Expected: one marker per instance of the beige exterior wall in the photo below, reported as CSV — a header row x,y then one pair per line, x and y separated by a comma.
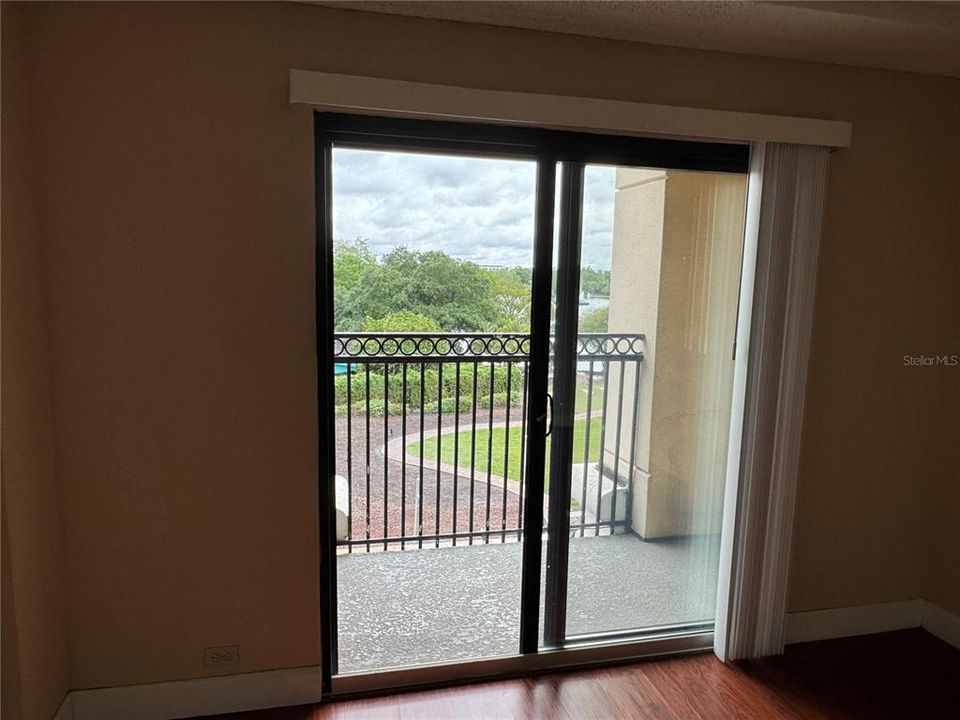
x,y
35,673
175,190
677,242
635,260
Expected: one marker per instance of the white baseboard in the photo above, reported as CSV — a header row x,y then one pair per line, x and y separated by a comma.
x,y
65,711
869,619
301,686
849,621
203,696
943,624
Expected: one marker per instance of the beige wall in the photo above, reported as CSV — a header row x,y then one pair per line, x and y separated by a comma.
x,y
177,207
11,706
35,669
941,582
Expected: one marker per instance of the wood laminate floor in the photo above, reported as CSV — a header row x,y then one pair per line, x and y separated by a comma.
x,y
907,674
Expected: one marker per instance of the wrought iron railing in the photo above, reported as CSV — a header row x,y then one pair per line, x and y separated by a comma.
x,y
431,436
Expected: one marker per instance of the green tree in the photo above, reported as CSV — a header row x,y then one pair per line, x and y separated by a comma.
x,y
350,260
454,293
403,321
594,281
511,291
595,320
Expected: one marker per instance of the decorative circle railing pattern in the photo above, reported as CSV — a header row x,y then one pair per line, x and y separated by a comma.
x,y
473,346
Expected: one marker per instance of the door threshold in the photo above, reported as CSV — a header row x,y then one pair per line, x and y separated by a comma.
x,y
581,655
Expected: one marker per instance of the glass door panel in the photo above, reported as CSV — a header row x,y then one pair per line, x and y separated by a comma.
x,y
432,265
642,386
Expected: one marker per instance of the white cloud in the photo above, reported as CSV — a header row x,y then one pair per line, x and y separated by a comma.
x,y
476,209
598,190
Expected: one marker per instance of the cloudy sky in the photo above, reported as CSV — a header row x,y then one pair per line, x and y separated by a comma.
x,y
473,209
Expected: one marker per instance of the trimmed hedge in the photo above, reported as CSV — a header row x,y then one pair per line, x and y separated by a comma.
x,y
433,388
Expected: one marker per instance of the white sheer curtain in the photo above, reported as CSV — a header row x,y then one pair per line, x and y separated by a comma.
x,y
758,534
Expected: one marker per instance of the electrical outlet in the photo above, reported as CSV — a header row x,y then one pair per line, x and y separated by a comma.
x,y
223,655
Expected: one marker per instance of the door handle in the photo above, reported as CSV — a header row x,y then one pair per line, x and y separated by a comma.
x,y
550,426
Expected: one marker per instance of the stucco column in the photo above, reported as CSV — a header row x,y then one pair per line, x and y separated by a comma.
x,y
675,277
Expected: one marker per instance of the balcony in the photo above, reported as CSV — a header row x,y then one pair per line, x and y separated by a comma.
x,y
430,433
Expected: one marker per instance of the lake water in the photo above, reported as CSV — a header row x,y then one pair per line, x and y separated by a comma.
x,y
588,304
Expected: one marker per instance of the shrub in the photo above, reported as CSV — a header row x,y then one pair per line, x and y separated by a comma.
x,y
438,388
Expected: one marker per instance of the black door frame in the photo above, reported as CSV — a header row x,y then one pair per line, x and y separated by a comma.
x,y
564,388
547,148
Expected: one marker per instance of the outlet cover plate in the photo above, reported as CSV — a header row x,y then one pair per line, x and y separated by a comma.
x,y
221,655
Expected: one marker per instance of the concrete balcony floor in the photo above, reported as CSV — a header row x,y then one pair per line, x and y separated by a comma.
x,y
444,604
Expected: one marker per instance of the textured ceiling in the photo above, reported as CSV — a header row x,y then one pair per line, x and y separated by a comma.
x,y
914,36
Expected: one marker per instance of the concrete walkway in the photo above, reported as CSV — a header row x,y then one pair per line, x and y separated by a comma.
x,y
394,451
456,603
395,447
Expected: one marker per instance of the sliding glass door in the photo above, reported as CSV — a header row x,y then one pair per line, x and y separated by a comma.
x,y
524,363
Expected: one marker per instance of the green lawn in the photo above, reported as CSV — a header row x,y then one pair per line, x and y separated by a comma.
x,y
595,405
512,464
